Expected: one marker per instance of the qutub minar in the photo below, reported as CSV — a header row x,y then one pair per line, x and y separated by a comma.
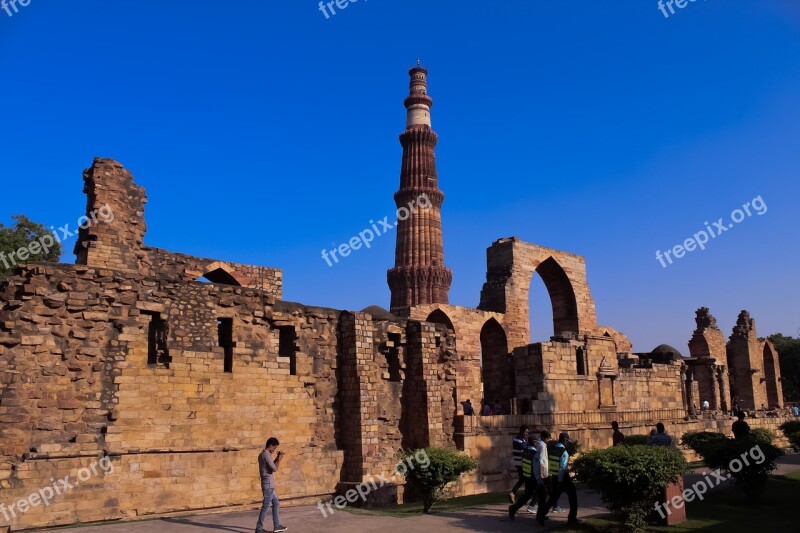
x,y
126,356
419,275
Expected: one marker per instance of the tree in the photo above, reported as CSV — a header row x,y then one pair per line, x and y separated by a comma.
x,y
789,357
630,479
445,467
36,241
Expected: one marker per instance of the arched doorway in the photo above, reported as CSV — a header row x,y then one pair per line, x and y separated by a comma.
x,y
497,371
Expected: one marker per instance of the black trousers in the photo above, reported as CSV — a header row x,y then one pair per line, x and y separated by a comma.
x,y
520,480
564,486
532,490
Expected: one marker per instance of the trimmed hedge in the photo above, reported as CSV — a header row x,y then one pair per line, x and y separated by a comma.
x,y
630,479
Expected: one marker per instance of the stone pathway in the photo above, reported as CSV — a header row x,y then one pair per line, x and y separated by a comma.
x,y
492,518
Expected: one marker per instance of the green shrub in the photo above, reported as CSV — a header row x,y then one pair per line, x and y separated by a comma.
x,y
445,467
791,430
630,479
635,440
763,435
701,440
792,426
755,455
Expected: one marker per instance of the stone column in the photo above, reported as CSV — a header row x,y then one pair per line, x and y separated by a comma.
x,y
358,398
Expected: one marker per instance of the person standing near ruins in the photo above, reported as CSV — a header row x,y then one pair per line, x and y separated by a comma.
x,y
518,446
740,428
468,409
266,468
618,436
660,437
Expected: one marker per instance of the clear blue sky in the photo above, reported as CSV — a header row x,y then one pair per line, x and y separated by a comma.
x,y
264,132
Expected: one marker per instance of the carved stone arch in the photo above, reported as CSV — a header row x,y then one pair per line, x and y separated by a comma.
x,y
512,264
437,316
219,272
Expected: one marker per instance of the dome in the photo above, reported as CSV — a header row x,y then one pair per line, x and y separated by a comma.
x,y
378,312
665,350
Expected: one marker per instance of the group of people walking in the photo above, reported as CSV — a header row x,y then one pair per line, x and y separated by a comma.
x,y
543,472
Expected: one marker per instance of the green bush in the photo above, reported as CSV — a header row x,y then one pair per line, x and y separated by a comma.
x,y
791,430
445,467
792,426
701,440
763,435
635,440
755,455
630,479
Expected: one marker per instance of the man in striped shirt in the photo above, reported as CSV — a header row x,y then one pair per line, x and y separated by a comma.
x,y
518,446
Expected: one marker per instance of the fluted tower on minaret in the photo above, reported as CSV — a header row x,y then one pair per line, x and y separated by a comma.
x,y
419,275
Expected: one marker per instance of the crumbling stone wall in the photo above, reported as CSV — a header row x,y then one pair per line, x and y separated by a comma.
x,y
76,384
112,243
468,325
161,264
707,346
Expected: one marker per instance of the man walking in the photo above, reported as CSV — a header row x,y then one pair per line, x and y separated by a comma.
x,y
529,465
518,446
562,482
266,468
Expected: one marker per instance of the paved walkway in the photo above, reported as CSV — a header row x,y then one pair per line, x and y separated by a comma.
x,y
491,518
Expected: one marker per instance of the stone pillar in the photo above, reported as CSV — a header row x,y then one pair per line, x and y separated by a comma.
x,y
715,392
422,403
722,379
359,402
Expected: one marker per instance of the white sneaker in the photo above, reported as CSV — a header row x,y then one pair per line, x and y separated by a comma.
x,y
531,509
558,509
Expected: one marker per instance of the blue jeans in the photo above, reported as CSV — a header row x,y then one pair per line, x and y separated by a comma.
x,y
270,498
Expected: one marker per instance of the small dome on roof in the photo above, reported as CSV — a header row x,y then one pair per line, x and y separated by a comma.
x,y
664,350
378,312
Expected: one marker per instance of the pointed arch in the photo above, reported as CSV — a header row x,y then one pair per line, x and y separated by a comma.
x,y
562,297
219,272
440,317
497,372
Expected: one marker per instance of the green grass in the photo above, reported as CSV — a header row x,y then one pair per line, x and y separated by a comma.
x,y
415,509
724,510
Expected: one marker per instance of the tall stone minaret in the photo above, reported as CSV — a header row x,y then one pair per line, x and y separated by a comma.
x,y
419,275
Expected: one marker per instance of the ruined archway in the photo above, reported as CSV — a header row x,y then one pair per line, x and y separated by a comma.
x,y
497,371
562,297
512,264
771,381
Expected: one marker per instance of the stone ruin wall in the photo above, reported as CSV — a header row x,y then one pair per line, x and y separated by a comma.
x,y
183,434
